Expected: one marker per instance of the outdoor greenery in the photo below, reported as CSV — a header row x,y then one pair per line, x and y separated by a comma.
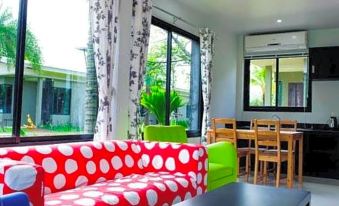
x,y
8,40
156,61
258,75
68,127
153,97
155,100
182,122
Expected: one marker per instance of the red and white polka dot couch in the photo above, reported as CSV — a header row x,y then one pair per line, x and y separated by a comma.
x,y
105,173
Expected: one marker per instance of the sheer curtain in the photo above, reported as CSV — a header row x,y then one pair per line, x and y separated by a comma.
x,y
207,51
104,20
141,25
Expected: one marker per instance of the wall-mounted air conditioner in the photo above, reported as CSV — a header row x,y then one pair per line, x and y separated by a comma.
x,y
275,44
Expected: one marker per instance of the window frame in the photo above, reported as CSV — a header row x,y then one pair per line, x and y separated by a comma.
x,y
170,29
276,108
16,139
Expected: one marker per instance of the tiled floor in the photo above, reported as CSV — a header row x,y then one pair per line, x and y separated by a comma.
x,y
324,192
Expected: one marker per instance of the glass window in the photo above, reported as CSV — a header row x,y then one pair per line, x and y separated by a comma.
x,y
262,82
182,75
5,99
9,10
277,84
155,78
59,95
61,101
171,94
293,81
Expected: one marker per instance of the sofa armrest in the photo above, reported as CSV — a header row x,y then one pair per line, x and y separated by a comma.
x,y
175,157
17,176
223,153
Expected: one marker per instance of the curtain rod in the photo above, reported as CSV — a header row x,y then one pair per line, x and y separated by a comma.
x,y
175,17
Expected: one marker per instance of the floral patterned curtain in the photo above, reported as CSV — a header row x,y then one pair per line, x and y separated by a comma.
x,y
104,23
141,25
207,51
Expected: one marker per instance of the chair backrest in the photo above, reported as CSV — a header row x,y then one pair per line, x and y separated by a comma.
x,y
161,133
267,137
261,127
288,125
225,129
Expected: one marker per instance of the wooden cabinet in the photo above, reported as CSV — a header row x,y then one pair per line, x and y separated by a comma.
x,y
324,63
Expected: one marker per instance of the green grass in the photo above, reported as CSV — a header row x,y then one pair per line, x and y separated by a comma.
x,y
61,128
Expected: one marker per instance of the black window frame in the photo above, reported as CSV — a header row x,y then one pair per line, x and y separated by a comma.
x,y
276,108
170,29
15,139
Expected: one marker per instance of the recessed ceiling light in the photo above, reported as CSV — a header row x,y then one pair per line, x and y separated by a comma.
x,y
279,20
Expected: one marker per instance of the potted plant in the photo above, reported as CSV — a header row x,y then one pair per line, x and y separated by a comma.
x,y
155,102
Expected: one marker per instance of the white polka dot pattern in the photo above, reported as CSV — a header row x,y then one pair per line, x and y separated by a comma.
x,y
171,172
20,177
184,156
71,166
59,181
157,162
86,152
152,197
91,167
28,159
104,166
110,199
129,161
132,197
65,149
170,164
49,165
116,163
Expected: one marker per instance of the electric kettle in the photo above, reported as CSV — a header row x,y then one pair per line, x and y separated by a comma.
x,y
332,122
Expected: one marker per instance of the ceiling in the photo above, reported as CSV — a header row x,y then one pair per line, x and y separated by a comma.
x,y
255,16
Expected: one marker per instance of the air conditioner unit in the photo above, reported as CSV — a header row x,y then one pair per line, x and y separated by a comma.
x,y
275,44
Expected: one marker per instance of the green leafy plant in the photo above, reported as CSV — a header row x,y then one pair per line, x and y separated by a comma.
x,y
182,122
8,38
155,102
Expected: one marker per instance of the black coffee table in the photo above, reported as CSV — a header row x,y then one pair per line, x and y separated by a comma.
x,y
241,194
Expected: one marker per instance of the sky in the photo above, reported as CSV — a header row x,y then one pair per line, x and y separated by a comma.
x,y
61,27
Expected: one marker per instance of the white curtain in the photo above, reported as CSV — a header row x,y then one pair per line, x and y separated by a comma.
x,y
141,26
207,51
105,30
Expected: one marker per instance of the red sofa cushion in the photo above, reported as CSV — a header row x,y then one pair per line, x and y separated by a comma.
x,y
175,157
162,188
21,176
68,166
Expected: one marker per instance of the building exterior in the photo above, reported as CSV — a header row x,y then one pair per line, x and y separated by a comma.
x,y
51,96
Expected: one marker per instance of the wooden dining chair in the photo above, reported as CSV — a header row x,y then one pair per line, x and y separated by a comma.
x,y
225,129
289,125
268,138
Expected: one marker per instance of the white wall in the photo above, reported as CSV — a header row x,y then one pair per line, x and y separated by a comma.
x,y
224,73
325,96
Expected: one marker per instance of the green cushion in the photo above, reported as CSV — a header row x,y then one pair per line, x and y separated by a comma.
x,y
222,163
160,133
218,171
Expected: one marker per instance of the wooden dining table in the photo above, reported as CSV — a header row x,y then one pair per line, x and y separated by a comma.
x,y
285,136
